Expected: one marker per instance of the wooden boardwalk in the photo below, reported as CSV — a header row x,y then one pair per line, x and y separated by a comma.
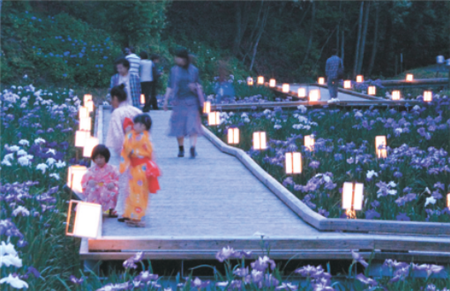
x,y
213,201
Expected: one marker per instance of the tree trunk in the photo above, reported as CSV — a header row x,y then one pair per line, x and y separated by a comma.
x,y
261,30
358,41
338,29
364,37
375,39
311,32
241,17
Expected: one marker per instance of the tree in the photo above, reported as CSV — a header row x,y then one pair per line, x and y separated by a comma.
x,y
358,42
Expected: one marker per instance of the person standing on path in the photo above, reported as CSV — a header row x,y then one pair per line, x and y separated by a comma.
x,y
134,60
156,72
131,82
116,137
334,70
184,86
146,76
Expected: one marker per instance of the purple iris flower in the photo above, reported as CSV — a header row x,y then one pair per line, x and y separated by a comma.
x,y
403,217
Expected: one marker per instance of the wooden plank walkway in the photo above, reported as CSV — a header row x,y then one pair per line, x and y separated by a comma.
x,y
213,201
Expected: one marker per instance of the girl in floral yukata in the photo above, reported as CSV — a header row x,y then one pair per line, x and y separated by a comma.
x,y
100,184
137,155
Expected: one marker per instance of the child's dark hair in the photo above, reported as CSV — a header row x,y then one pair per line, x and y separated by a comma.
x,y
101,150
144,119
124,63
119,92
143,55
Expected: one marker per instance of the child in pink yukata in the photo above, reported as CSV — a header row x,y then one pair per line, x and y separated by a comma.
x,y
101,182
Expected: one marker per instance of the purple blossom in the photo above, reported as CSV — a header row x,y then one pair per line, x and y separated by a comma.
x,y
367,281
372,213
403,217
76,281
262,263
131,262
314,164
358,258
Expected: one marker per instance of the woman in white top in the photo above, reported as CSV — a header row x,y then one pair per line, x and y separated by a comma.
x,y
146,76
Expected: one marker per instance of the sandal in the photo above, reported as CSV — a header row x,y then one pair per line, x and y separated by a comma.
x,y
135,223
123,219
112,213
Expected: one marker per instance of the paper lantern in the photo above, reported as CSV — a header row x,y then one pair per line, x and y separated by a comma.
x,y
380,146
321,81
372,90
83,112
314,95
259,140
86,98
91,142
440,59
85,124
272,83
301,92
74,177
233,136
427,96
293,163
359,79
142,99
448,200
87,221
81,137
206,107
285,88
214,118
260,80
396,95
347,84
309,142
90,105
352,196
250,81
409,77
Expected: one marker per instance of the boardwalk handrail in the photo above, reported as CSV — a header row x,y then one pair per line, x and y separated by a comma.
x,y
416,82
317,220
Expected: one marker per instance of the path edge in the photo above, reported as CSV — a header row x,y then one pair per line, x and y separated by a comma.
x,y
318,221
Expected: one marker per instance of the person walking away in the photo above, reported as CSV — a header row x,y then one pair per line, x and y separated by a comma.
x,y
115,138
137,156
131,82
334,70
146,76
156,73
187,93
134,60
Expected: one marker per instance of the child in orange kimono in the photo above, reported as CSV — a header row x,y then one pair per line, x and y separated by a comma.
x,y
137,154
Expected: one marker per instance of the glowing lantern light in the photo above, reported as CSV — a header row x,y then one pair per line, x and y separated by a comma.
x,y
372,90
309,142
285,88
259,140
448,200
86,98
347,84
142,99
352,197
314,95
83,112
81,137
90,105
74,177
233,135
85,124
427,96
260,80
88,219
214,118
250,81
272,83
91,142
321,81
396,95
359,79
380,146
301,92
293,163
409,77
206,107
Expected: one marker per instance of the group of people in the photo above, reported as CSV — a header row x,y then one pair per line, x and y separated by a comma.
x,y
124,173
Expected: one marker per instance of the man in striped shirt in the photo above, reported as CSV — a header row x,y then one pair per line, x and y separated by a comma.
x,y
134,60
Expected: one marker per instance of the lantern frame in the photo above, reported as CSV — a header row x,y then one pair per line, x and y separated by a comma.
x,y
250,81
91,142
352,196
409,77
73,179
359,79
259,140
81,137
347,84
90,106
85,124
142,99
272,83
260,80
309,142
86,98
321,81
85,226
448,200
293,163
396,95
380,140
427,96
285,88
372,90
214,118
301,92
233,135
83,112
206,107
314,95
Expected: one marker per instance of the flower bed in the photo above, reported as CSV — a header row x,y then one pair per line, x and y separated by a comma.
x,y
410,184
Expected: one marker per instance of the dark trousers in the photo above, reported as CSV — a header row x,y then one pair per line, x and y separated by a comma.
x,y
149,91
